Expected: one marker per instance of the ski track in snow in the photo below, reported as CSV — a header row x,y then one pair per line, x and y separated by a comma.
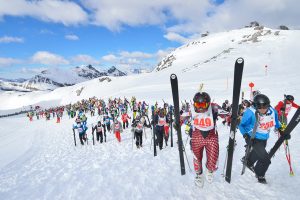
x,y
49,166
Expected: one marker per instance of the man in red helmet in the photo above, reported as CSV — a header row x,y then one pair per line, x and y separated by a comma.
x,y
205,135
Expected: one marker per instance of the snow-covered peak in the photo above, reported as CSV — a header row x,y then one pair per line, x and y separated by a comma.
x,y
113,71
212,47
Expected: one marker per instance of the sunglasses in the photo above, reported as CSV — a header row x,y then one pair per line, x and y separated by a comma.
x,y
262,106
201,104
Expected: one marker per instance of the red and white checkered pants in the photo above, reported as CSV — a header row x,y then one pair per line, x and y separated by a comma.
x,y
211,145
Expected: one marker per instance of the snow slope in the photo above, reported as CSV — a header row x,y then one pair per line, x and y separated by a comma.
x,y
38,159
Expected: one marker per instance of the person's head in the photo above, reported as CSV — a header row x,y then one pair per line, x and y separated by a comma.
x,y
255,92
137,117
226,101
201,102
261,103
116,121
99,123
246,103
289,99
161,112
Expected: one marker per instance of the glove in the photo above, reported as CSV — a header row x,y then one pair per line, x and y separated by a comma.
x,y
246,136
285,136
283,126
282,108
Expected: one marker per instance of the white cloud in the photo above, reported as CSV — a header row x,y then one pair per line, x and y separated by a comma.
x,y
176,37
135,54
71,37
46,31
65,12
113,14
47,58
237,14
110,58
6,62
9,39
32,70
85,59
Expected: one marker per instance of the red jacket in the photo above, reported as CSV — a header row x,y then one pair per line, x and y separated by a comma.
x,y
288,106
125,117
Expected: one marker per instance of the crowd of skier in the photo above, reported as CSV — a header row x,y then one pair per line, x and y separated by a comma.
x,y
198,117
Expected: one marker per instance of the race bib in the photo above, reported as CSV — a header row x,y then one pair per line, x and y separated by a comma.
x,y
161,121
99,129
265,124
204,121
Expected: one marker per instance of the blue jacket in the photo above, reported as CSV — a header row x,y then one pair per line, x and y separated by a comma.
x,y
81,128
247,123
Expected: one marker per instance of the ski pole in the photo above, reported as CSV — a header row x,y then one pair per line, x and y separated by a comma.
x,y
74,136
288,157
145,133
132,138
187,138
93,134
187,160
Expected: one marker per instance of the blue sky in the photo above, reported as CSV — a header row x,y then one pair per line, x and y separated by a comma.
x,y
37,35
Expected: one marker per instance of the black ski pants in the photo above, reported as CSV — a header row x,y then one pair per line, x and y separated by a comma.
x,y
125,123
139,138
259,155
160,132
99,136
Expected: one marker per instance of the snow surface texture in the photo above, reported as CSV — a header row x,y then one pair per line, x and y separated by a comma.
x,y
38,160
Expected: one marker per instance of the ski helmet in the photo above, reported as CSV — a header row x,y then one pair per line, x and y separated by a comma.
x,y
261,101
201,101
255,92
289,98
246,103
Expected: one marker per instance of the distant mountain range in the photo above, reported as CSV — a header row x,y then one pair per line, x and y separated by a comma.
x,y
53,78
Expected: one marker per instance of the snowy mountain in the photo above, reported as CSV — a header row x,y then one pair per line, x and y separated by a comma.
x,y
38,160
54,78
13,85
219,46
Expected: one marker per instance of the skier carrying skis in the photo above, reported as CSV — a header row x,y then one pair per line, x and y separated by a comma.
x,y
125,118
106,121
205,135
160,121
267,119
117,129
227,107
137,128
100,129
285,107
82,128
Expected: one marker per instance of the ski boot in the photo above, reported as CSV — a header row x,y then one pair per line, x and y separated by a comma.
x,y
262,179
209,176
199,180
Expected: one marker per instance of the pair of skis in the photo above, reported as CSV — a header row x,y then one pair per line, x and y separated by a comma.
x,y
238,72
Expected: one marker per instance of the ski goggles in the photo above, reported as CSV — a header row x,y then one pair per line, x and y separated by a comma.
x,y
201,104
262,106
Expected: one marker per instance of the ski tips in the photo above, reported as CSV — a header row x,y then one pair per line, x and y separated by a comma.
x,y
240,60
173,76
